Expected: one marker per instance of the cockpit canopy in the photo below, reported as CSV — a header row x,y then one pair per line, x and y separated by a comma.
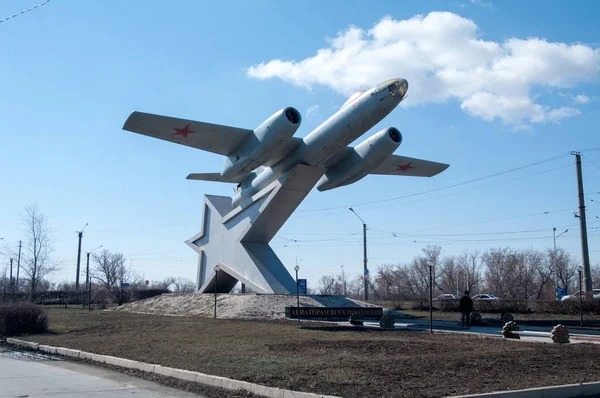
x,y
398,88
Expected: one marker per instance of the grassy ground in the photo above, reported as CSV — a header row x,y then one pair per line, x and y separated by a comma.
x,y
325,359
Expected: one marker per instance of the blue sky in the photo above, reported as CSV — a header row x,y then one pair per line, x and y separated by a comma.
x,y
73,71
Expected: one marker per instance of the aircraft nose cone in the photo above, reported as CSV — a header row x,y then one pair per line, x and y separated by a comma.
x,y
401,89
397,88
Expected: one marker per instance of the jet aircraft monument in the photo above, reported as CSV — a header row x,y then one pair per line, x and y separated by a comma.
x,y
273,172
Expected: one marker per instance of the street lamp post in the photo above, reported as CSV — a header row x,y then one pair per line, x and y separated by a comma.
x,y
88,281
296,268
580,269
554,256
430,264
366,270
217,269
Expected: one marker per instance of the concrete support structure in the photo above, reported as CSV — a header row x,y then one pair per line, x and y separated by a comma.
x,y
237,239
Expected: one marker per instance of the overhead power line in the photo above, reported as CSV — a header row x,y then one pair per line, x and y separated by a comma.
x,y
410,236
435,189
289,240
24,11
443,195
589,160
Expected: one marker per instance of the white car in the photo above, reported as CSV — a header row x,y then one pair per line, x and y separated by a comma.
x,y
486,297
446,296
575,296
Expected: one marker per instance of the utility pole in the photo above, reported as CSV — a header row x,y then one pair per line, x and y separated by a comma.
x,y
18,265
80,234
12,286
585,255
366,270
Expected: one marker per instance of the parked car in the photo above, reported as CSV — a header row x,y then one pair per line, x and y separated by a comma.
x,y
446,296
485,296
575,296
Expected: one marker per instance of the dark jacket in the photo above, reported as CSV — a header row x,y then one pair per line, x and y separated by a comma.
x,y
465,304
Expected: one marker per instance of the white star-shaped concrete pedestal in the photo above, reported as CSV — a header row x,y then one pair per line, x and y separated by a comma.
x,y
237,239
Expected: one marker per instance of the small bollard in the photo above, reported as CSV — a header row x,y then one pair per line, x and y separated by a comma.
x,y
508,331
387,322
560,334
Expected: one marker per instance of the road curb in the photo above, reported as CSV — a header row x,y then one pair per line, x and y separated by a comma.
x,y
181,374
566,391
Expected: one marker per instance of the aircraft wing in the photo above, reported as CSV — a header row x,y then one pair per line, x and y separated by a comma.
x,y
405,166
206,136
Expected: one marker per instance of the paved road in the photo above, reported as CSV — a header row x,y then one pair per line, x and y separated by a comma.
x,y
527,333
29,376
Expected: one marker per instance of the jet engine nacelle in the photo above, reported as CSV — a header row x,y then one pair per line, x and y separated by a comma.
x,y
361,160
272,135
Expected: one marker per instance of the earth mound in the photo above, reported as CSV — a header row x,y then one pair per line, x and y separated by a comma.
x,y
239,306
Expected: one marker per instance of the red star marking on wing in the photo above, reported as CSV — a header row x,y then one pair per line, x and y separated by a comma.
x,y
405,167
183,131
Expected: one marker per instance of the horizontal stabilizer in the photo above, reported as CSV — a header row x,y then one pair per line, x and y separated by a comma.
x,y
216,177
405,166
205,136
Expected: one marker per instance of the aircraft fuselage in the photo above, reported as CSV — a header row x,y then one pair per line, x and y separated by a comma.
x,y
320,147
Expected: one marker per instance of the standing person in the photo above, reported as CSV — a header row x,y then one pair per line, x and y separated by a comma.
x,y
466,306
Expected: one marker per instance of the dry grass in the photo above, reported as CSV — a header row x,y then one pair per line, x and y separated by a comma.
x,y
330,360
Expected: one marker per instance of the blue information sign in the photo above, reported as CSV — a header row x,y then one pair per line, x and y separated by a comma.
x,y
124,284
302,286
560,293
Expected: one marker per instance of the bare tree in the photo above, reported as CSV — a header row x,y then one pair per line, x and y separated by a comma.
x,y
110,269
385,285
183,285
327,284
470,266
596,276
546,277
413,278
566,269
4,282
355,287
449,275
35,259
177,284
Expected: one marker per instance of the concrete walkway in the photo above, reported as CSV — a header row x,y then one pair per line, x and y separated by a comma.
x,y
26,375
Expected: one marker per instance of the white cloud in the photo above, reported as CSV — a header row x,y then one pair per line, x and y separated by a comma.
x,y
581,99
481,3
443,57
555,115
312,111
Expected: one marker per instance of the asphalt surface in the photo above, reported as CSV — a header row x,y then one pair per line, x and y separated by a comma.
x,y
528,333
36,375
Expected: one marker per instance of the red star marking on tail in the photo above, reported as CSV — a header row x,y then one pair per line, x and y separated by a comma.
x,y
184,131
405,167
